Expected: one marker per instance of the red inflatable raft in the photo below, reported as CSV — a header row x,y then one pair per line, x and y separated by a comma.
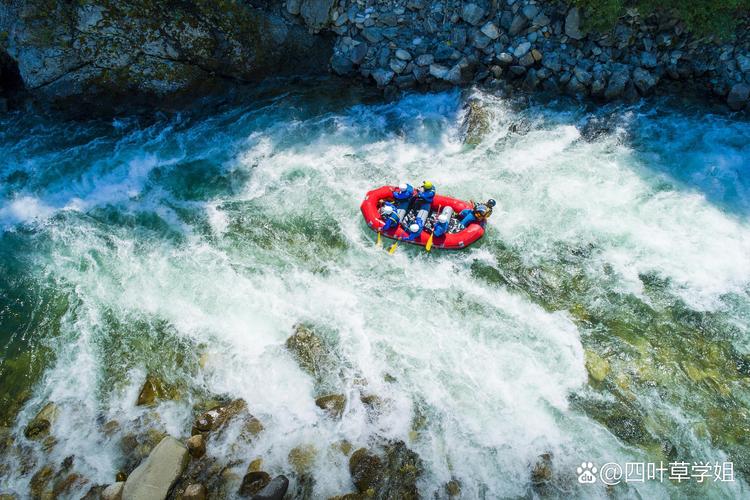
x,y
450,240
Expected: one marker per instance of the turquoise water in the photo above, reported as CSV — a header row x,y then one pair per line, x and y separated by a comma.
x,y
188,246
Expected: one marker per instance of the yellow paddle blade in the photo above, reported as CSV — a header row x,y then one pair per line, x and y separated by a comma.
x,y
393,248
378,243
428,246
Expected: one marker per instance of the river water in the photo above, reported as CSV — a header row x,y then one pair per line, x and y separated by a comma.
x,y
188,246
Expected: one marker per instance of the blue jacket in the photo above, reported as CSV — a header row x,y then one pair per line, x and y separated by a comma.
x,y
440,228
391,221
407,194
415,235
427,195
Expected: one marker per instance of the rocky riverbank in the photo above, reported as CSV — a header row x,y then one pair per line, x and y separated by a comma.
x,y
132,48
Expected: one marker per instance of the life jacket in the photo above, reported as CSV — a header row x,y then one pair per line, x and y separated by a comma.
x,y
426,195
403,195
392,219
481,211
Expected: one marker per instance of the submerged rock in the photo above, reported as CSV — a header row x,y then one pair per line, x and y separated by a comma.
x,y
302,458
113,491
597,366
218,416
41,424
393,476
152,390
195,492
309,351
253,482
156,475
476,122
333,404
275,490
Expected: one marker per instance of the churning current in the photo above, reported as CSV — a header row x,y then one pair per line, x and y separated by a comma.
x,y
604,317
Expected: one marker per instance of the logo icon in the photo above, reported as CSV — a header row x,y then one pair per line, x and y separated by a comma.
x,y
586,473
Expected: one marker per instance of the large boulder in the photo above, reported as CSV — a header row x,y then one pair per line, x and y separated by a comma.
x,y
316,13
155,476
146,51
305,345
476,122
617,81
738,96
393,473
42,422
644,81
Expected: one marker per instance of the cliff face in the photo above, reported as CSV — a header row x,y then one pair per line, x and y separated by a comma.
x,y
65,49
72,49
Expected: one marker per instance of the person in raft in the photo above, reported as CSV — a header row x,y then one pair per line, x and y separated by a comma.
x,y
425,195
441,226
389,214
479,213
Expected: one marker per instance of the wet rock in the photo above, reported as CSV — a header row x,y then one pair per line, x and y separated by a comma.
x,y
617,81
395,476
332,404
644,81
342,64
517,25
738,96
39,484
358,53
293,6
597,366
253,482
472,13
255,465
195,492
302,458
365,469
196,446
382,76
743,63
424,59
403,55
476,122
316,13
64,486
306,347
490,30
504,58
113,491
453,488
397,65
573,24
372,34
152,390
218,416
522,49
41,424
156,475
275,490
542,471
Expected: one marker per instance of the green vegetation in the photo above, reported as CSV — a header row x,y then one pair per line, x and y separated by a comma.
x,y
702,17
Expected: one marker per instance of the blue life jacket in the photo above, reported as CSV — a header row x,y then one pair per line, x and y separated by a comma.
x,y
467,216
413,236
440,228
426,195
391,220
406,194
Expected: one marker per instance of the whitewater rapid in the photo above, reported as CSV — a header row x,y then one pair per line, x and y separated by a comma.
x,y
192,244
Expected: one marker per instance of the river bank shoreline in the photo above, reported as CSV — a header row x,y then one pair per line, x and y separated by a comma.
x,y
134,55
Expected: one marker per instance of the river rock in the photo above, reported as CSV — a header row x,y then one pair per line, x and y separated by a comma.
x,y
275,490
517,25
195,491
382,76
743,63
490,30
155,476
573,24
306,347
333,404
293,6
397,65
316,13
41,424
472,13
738,96
476,122
597,366
522,49
152,390
372,34
196,445
644,81
253,482
113,491
403,55
394,476
365,469
218,416
504,58
617,81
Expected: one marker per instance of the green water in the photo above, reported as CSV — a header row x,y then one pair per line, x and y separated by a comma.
x,y
188,246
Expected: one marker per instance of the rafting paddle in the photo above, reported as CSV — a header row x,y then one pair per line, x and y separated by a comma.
x,y
428,246
378,243
393,248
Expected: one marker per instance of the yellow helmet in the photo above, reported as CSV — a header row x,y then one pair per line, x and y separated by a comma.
x,y
427,185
